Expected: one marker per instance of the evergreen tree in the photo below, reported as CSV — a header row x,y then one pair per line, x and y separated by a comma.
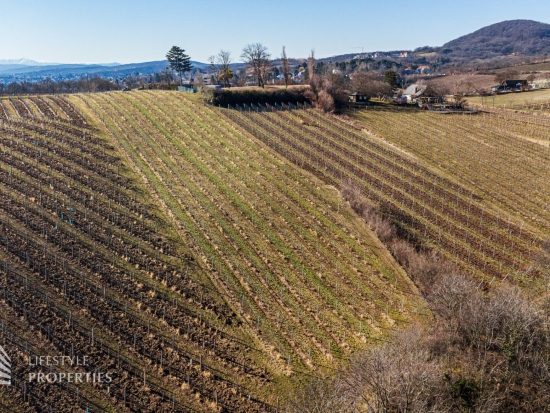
x,y
179,61
391,78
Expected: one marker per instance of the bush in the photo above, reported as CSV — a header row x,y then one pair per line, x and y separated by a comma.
x,y
325,102
226,97
487,349
422,267
320,395
399,376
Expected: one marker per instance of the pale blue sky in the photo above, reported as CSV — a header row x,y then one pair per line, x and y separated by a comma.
x,y
128,31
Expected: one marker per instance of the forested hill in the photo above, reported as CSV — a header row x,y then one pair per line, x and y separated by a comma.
x,y
522,37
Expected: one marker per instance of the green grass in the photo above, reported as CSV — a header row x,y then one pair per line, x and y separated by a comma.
x,y
516,100
282,248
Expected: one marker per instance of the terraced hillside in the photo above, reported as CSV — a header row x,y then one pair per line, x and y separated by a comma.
x,y
175,249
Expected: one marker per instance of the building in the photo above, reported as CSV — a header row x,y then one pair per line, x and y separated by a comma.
x,y
359,98
414,91
190,88
206,79
513,85
300,77
423,70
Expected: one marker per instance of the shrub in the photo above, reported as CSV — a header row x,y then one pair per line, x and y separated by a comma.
x,y
226,97
325,102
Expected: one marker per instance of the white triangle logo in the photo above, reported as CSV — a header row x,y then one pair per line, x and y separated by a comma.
x,y
5,368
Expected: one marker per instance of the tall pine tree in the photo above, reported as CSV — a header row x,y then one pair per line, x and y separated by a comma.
x,y
179,61
391,78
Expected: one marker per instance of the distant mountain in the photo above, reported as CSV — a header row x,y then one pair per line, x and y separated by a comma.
x,y
28,62
18,72
498,44
24,62
520,37
45,69
8,67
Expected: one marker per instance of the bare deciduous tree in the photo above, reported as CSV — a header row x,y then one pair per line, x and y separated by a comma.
x,y
321,395
437,90
285,67
325,101
448,298
311,64
506,75
256,57
319,93
198,79
214,68
224,61
166,75
220,67
370,84
399,376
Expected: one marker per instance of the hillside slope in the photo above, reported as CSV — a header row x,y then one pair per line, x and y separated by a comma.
x,y
431,208
523,37
160,237
304,274
494,167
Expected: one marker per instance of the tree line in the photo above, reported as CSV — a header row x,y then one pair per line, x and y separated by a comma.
x,y
50,86
261,68
327,89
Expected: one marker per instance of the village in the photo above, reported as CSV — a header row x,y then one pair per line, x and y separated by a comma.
x,y
354,86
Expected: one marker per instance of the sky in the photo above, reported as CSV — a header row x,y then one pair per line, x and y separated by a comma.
x,y
130,31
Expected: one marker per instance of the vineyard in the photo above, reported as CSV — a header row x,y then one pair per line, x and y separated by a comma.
x,y
205,256
162,239
484,210
500,159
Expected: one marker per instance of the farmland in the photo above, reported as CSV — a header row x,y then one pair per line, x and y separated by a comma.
x,y
527,68
536,100
205,256
163,238
496,164
87,270
487,236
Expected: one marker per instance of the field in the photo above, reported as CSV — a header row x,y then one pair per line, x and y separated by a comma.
x,y
495,164
432,207
532,67
464,83
172,244
205,256
536,100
